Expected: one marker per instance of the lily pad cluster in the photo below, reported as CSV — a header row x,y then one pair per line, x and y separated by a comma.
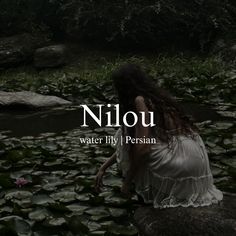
x,y
216,89
58,196
220,140
47,181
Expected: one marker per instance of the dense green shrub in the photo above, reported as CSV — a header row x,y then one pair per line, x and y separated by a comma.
x,y
149,21
32,16
140,22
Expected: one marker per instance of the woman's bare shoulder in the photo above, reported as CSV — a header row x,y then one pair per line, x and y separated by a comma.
x,y
140,103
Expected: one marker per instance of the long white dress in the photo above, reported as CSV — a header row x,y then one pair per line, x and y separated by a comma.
x,y
176,176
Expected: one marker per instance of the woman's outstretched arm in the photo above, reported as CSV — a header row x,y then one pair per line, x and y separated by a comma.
x,y
102,170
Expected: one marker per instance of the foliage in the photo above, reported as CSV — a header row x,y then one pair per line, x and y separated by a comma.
x,y
154,22
17,16
149,23
189,78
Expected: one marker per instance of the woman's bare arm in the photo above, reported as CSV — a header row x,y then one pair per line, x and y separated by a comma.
x,y
101,172
109,162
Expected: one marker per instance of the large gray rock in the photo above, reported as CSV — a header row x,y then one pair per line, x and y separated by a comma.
x,y
30,99
51,56
214,220
17,49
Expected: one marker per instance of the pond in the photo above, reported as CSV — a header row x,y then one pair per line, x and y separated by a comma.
x,y
56,196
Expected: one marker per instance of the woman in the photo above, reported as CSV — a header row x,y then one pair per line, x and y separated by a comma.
x,y
175,170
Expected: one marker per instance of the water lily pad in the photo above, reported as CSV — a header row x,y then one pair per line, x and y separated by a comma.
x,y
223,125
78,208
57,221
214,139
116,200
51,182
18,174
39,214
217,157
64,196
18,194
53,163
216,171
15,155
51,147
20,198
88,170
98,233
83,197
5,165
6,209
86,181
100,159
230,114
98,213
71,174
2,201
106,224
42,200
92,226
48,134
231,162
217,150
113,181
117,212
228,141
116,229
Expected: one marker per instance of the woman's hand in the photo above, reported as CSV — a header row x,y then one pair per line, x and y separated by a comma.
x,y
125,189
102,170
98,180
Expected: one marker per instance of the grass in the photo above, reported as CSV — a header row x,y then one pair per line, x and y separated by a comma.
x,y
195,79
97,67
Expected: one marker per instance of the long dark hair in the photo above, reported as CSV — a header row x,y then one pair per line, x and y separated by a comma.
x,y
131,81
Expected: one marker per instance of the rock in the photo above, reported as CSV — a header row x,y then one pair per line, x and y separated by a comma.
x,y
18,49
214,220
226,48
30,100
51,56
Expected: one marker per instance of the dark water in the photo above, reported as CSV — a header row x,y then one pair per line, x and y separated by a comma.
x,y
33,123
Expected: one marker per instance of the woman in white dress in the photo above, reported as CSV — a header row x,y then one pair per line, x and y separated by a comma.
x,y
174,171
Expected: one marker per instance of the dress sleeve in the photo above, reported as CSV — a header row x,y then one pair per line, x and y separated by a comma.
x,y
122,155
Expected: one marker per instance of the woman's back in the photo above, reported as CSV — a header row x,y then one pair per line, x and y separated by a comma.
x,y
175,171
174,174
